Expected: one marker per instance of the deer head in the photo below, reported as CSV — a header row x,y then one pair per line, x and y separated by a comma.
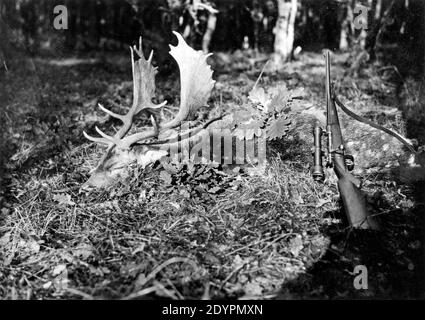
x,y
151,143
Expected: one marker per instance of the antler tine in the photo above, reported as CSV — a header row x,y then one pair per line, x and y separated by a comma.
x,y
139,50
154,124
112,114
107,137
128,141
97,140
193,136
136,50
159,106
132,59
150,56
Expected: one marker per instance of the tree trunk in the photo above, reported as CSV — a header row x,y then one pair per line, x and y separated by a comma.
x,y
211,24
4,37
368,36
422,93
364,33
284,31
376,11
346,28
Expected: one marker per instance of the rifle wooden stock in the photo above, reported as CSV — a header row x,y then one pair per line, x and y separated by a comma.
x,y
352,198
355,206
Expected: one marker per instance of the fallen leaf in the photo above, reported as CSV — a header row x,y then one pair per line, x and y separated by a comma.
x,y
83,251
150,157
64,199
58,269
296,245
253,288
184,193
166,177
214,190
47,285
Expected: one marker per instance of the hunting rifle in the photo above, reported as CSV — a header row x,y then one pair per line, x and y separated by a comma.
x,y
342,163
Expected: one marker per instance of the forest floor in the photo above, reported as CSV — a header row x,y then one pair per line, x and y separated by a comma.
x,y
180,232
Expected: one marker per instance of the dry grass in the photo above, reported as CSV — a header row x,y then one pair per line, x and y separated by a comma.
x,y
244,242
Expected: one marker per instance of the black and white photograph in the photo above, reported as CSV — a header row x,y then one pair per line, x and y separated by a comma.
x,y
239,151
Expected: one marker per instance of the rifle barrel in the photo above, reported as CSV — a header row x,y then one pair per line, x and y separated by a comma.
x,y
333,127
328,78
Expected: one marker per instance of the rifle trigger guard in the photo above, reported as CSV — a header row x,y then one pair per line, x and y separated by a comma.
x,y
349,162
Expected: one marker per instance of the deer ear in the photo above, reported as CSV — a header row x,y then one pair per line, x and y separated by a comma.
x,y
196,81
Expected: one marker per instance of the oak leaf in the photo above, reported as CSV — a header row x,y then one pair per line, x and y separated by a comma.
x,y
259,96
278,128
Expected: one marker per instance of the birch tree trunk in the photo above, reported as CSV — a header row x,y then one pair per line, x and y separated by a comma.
x,y
284,31
365,31
371,39
4,39
346,27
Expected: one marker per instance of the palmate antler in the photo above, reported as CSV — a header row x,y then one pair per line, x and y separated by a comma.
x,y
196,86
